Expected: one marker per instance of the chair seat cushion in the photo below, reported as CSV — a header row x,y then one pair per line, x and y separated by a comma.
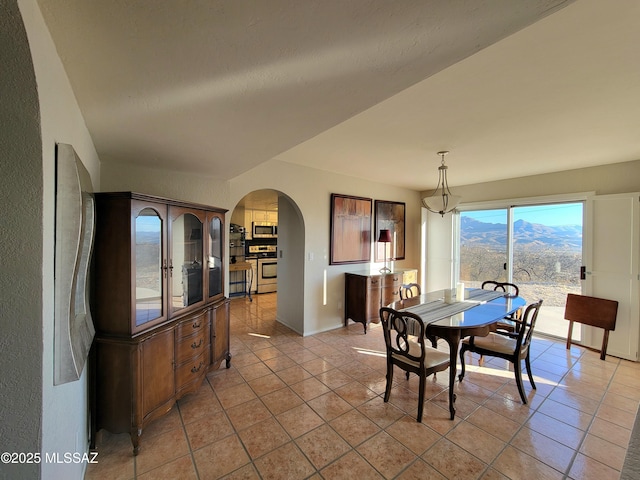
x,y
494,343
432,356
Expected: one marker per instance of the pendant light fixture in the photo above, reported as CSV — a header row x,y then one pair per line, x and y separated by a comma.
x,y
441,200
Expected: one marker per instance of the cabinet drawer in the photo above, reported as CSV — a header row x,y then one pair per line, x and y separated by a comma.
x,y
191,371
191,346
391,280
193,324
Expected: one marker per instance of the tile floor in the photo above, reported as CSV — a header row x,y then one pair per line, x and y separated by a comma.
x,y
294,407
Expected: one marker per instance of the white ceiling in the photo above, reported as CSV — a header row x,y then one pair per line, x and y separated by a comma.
x,y
368,88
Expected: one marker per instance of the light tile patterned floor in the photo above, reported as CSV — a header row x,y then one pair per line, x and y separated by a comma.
x,y
311,407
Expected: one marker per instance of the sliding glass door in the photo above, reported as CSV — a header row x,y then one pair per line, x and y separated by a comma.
x,y
537,247
483,246
547,256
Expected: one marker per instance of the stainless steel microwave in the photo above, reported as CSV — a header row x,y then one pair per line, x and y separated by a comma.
x,y
264,230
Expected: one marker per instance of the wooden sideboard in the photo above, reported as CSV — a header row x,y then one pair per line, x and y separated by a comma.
x,y
366,291
161,318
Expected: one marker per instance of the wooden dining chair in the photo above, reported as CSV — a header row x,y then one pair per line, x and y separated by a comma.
x,y
511,289
513,347
405,343
409,290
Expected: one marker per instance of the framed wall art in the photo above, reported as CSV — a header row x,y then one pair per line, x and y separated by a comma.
x,y
74,232
350,229
390,216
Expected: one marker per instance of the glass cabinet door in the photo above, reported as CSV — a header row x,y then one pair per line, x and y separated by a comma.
x,y
186,261
149,275
214,262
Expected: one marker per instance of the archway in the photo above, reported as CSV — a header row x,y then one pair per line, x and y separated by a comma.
x,y
21,247
268,206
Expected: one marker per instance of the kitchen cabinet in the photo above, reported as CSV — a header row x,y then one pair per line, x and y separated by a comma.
x,y
367,291
159,309
265,216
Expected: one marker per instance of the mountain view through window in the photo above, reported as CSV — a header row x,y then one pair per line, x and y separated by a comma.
x,y
546,245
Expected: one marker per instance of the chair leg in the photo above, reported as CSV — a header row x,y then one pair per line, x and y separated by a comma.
x,y
387,391
462,365
407,373
423,382
528,364
518,372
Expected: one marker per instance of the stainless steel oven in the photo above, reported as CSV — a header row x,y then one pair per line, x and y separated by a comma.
x,y
265,266
267,275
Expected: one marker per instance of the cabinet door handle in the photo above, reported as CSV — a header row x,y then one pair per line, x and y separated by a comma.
x,y
195,345
196,369
196,325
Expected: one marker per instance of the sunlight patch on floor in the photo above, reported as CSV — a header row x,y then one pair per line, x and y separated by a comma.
x,y
259,335
508,374
365,351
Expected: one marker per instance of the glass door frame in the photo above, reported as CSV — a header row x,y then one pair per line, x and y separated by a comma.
x,y
509,205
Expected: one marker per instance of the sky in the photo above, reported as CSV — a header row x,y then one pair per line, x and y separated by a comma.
x,y
551,215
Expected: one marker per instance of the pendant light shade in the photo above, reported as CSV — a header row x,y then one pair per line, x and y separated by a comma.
x,y
441,200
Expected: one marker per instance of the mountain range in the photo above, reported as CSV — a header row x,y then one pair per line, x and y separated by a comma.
x,y
475,233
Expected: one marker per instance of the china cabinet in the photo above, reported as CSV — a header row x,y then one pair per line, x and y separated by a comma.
x,y
161,318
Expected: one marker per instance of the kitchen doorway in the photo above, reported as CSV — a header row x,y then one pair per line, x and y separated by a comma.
x,y
277,261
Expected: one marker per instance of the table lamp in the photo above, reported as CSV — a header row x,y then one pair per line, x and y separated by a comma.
x,y
385,237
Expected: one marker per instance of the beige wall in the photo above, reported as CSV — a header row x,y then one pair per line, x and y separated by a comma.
x,y
602,180
125,177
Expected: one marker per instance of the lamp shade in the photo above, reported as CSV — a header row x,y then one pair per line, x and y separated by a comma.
x,y
385,236
441,203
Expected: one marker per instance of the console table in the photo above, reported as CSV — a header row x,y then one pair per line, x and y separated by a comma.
x,y
368,290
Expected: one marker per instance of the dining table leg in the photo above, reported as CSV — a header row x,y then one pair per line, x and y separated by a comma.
x,y
452,337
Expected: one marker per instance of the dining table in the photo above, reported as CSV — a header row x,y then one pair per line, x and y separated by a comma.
x,y
477,314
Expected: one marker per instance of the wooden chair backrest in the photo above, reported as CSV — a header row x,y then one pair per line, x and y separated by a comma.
x,y
397,328
409,290
510,288
528,324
